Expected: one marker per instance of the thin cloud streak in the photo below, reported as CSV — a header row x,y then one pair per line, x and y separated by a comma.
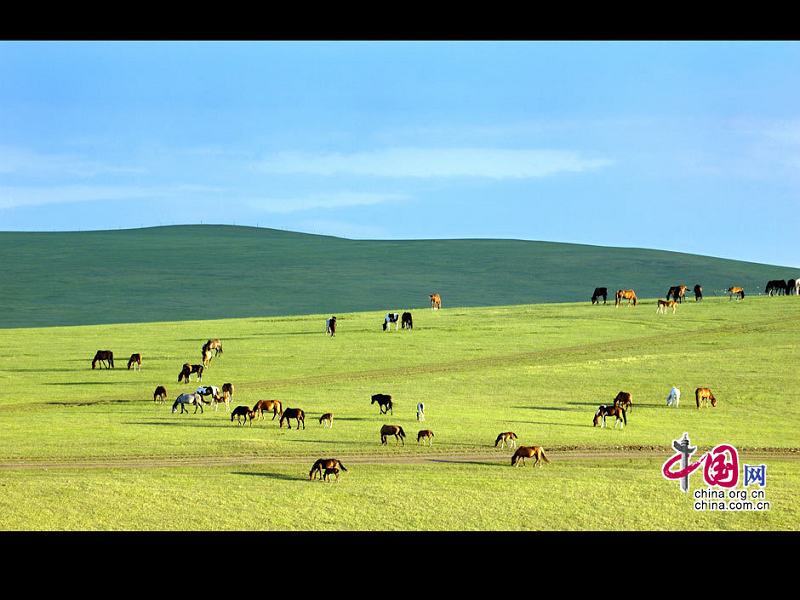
x,y
491,163
26,162
20,196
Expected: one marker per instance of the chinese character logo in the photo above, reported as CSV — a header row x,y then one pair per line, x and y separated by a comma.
x,y
757,474
720,464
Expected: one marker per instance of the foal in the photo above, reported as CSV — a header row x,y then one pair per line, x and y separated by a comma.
x,y
425,434
326,420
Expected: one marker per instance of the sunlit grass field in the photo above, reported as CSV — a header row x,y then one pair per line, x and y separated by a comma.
x,y
538,370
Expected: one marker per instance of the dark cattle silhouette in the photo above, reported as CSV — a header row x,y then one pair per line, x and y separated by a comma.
x,y
698,292
406,321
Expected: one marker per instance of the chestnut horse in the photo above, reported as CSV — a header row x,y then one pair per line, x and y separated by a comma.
x,y
160,394
524,452
274,406
394,430
663,305
135,361
103,356
324,463
703,395
425,434
188,370
625,400
736,291
508,436
610,411
628,295
293,413
436,301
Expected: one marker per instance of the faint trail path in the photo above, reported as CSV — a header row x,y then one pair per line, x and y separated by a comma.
x,y
488,458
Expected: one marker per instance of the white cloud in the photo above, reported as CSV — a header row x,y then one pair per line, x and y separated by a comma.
x,y
495,163
18,196
21,161
321,201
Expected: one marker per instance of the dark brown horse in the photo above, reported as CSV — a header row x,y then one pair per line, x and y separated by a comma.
x,y
135,359
436,301
628,295
625,400
598,292
293,413
103,356
265,406
243,412
214,345
524,452
698,292
610,411
160,395
331,471
384,402
736,291
425,434
188,370
324,463
326,418
677,292
394,430
508,436
703,395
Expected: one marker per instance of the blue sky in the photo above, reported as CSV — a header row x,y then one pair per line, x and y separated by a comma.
x,y
685,146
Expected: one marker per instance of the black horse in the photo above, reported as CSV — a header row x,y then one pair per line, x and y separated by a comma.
x,y
776,287
599,292
698,292
103,356
406,322
384,402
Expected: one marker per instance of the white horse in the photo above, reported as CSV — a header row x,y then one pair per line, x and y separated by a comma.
x,y
420,412
796,291
216,396
391,318
674,397
185,399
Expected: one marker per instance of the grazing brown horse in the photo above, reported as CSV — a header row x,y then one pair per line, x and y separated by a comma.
x,y
324,463
698,292
331,471
524,452
135,359
326,418
394,430
188,370
243,412
736,291
508,436
625,400
384,402
663,305
103,356
436,301
628,295
160,395
207,356
677,292
214,345
293,413
610,411
425,434
703,395
265,406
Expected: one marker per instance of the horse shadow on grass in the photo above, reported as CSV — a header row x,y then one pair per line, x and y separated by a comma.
x,y
174,424
481,463
280,476
558,408
610,402
83,382
550,423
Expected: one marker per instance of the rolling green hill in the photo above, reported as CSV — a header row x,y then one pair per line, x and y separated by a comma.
x,y
206,272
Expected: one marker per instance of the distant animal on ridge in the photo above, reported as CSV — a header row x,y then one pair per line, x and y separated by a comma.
x,y
103,356
135,361
598,292
628,295
736,291
508,436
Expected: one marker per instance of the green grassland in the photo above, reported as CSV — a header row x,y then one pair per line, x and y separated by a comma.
x,y
539,370
210,272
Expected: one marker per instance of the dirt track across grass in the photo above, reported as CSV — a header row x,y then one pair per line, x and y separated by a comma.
x,y
489,458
